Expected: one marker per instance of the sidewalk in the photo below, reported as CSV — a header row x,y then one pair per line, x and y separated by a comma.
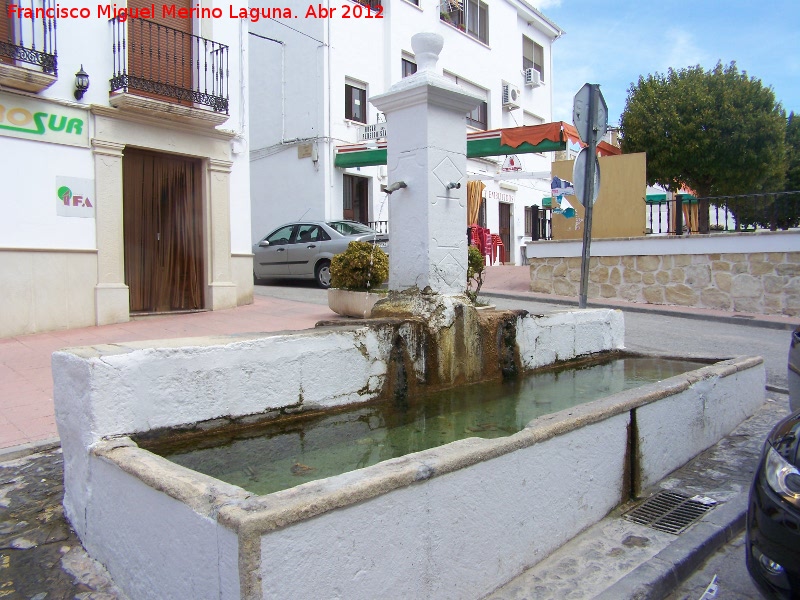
x,y
26,384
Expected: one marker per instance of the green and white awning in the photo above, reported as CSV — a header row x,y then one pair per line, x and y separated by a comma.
x,y
549,137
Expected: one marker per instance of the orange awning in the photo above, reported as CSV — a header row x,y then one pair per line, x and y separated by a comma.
x,y
559,131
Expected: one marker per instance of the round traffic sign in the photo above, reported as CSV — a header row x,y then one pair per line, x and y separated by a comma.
x,y
579,176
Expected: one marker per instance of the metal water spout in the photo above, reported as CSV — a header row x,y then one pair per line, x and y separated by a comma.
x,y
397,185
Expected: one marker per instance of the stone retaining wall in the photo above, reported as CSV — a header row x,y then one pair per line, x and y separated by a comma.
x,y
758,282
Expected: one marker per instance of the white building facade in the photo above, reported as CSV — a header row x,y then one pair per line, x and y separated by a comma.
x,y
132,197
312,78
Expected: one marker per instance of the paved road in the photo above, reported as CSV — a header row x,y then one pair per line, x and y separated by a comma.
x,y
643,331
732,580
660,333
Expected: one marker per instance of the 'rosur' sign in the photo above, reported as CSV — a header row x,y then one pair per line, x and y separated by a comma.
x,y
39,120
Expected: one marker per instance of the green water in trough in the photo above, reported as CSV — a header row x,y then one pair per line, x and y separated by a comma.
x,y
285,452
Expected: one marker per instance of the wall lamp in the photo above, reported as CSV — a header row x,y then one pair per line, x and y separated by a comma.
x,y
81,83
453,184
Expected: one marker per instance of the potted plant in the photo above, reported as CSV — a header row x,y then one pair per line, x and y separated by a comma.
x,y
356,274
476,266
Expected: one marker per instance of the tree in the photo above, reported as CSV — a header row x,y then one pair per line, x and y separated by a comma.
x,y
792,153
717,132
786,210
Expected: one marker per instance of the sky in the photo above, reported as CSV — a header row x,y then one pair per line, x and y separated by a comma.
x,y
613,42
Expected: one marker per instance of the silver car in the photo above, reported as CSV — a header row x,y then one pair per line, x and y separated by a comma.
x,y
303,250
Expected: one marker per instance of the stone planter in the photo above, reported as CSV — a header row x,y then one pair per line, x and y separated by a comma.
x,y
352,304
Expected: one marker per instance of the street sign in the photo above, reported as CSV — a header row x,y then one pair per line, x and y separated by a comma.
x,y
579,176
580,114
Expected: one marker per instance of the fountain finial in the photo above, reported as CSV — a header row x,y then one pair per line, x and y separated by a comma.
x,y
426,47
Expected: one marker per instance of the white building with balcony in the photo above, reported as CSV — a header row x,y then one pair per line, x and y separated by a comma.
x,y
132,195
312,78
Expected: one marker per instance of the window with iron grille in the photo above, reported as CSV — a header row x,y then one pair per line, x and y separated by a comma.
x,y
409,67
532,56
529,221
355,103
478,117
470,16
372,4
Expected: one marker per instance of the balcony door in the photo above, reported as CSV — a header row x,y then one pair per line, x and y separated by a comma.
x,y
163,231
6,38
160,53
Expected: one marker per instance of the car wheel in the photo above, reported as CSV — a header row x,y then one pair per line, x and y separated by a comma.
x,y
256,280
323,274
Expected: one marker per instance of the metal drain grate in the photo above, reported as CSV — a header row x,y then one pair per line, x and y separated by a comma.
x,y
671,512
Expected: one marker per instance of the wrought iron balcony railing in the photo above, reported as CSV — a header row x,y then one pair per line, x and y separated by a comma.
x,y
28,35
371,4
160,61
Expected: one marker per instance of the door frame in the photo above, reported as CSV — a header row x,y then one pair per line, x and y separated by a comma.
x,y
201,237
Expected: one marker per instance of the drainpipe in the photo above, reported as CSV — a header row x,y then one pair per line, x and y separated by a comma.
x,y
328,127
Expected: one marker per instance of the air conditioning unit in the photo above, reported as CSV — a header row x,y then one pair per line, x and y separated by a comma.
x,y
511,96
532,77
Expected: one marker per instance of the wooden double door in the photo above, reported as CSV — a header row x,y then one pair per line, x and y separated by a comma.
x,y
163,231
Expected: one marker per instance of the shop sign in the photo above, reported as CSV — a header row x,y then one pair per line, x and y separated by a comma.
x,y
499,196
74,197
34,119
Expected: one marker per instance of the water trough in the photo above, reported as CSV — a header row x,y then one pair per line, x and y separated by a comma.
x,y
454,521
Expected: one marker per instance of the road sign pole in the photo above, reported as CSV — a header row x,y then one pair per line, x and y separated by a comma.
x,y
588,193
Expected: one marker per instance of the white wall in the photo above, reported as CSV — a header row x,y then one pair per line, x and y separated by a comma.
x,y
370,51
287,82
714,243
28,171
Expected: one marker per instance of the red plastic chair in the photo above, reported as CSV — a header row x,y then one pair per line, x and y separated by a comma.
x,y
497,245
476,239
488,245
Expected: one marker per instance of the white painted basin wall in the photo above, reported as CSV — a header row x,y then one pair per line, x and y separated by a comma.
x,y
450,522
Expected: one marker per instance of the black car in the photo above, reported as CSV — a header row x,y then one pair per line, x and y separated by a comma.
x,y
773,514
794,370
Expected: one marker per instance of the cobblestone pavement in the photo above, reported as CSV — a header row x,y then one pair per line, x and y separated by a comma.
x,y
40,555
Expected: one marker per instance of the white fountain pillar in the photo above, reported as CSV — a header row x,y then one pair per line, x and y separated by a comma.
x,y
427,150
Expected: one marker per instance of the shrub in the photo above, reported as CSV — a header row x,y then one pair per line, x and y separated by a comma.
x,y
362,267
475,269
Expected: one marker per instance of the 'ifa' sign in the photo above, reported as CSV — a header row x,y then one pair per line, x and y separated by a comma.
x,y
75,197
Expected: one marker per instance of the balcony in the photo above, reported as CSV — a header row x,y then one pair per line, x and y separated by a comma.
x,y
371,4
163,70
28,58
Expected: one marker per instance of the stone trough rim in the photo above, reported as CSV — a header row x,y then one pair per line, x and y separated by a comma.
x,y
248,514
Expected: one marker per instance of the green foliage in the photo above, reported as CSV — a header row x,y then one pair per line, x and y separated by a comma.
x,y
718,132
362,267
792,153
476,266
